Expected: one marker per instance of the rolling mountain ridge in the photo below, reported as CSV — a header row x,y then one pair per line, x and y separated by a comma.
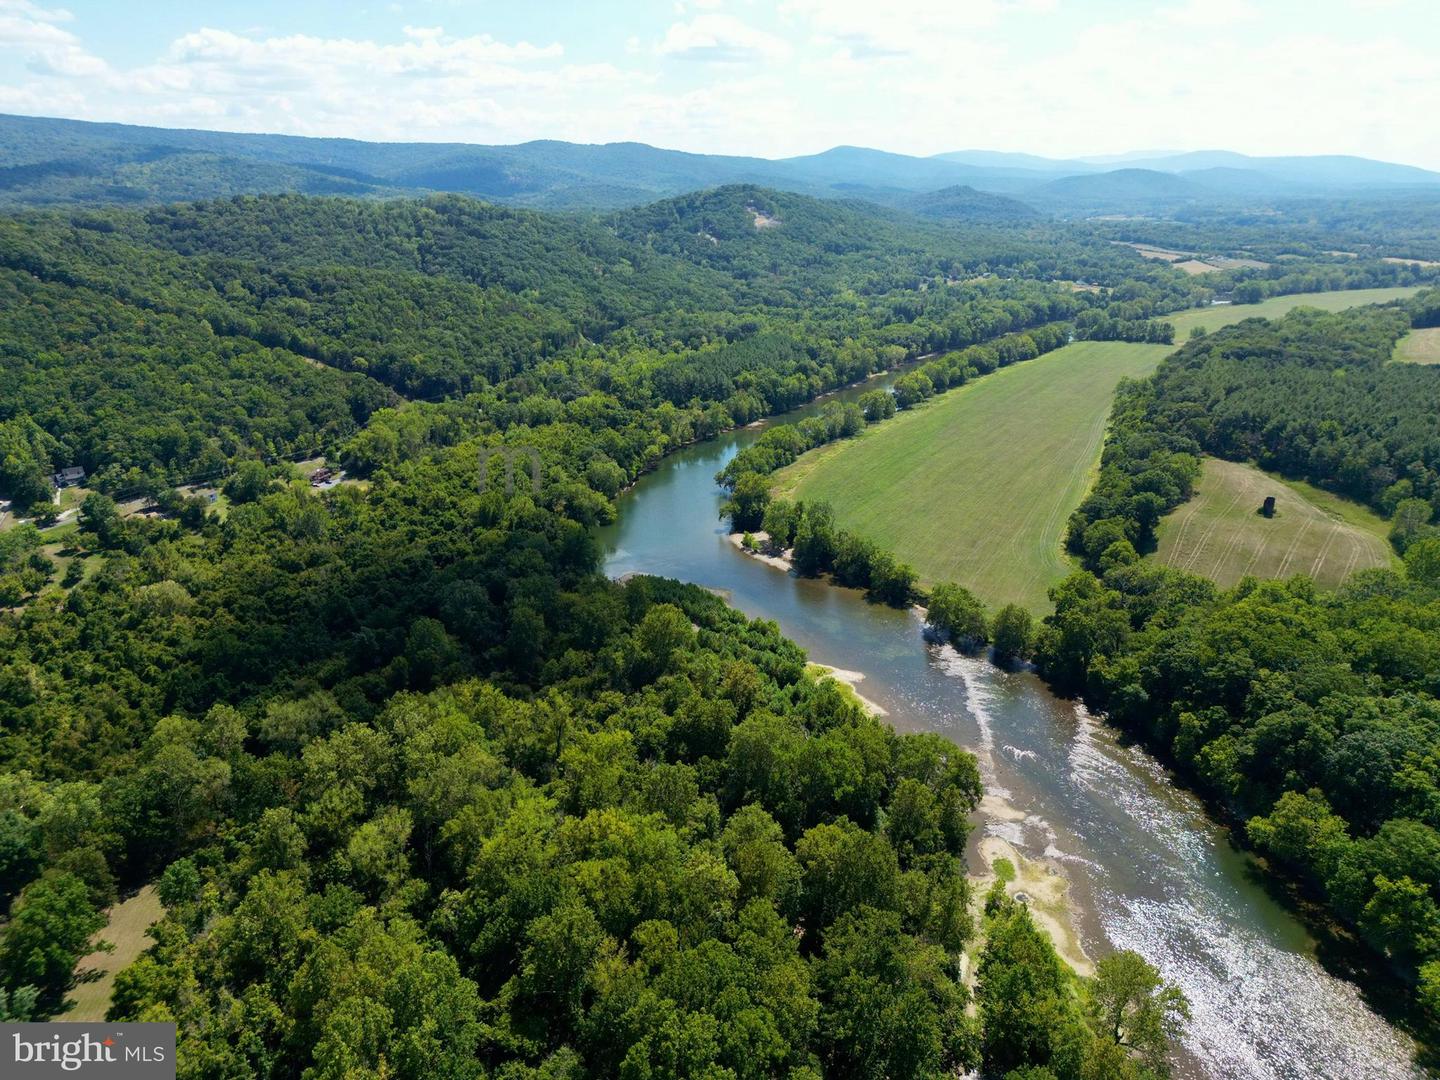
x,y
47,162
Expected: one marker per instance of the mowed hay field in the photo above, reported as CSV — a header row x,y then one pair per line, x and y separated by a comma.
x,y
1213,318
1220,534
976,485
1419,347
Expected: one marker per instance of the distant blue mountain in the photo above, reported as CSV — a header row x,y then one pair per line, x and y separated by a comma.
x,y
46,161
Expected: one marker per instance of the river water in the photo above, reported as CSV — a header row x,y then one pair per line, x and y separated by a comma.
x,y
1147,869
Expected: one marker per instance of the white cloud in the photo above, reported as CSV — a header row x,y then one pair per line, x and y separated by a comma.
x,y
46,48
425,84
910,75
863,29
721,39
1212,13
30,10
1119,86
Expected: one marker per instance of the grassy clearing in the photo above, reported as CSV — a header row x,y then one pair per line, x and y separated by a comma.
x,y
1213,318
1162,254
1226,262
1419,347
128,921
1189,261
58,534
976,486
1221,535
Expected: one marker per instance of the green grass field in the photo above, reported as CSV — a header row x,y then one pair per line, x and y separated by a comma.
x,y
1220,534
1213,318
128,921
1419,347
976,486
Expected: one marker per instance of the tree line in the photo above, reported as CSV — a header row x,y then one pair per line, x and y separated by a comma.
x,y
784,443
1310,719
422,793
1313,396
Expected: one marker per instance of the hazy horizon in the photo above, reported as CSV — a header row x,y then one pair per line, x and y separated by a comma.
x,y
1108,161
1054,78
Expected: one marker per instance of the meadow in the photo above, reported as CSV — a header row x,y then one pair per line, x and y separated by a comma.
x,y
1213,318
125,929
1221,534
1419,347
976,486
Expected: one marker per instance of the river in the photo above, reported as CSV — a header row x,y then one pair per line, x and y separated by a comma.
x,y
1148,870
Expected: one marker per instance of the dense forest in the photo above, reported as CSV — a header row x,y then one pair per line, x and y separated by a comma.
x,y
152,348
422,792
1310,719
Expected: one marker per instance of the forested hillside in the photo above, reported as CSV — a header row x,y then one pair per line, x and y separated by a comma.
x,y
421,791
154,347
1310,717
514,608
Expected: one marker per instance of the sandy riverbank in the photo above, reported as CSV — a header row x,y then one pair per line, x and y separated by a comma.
x,y
779,562
1045,888
1046,892
848,679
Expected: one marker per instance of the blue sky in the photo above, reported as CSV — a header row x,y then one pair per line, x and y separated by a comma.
x,y
1057,77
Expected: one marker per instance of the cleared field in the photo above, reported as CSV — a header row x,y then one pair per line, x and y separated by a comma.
x,y
1221,534
1188,261
1419,347
1212,318
1146,251
976,486
129,920
1226,262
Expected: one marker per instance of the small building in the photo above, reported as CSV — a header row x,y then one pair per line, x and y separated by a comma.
x,y
69,477
322,475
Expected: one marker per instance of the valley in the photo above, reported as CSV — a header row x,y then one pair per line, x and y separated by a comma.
x,y
976,486
560,610
999,465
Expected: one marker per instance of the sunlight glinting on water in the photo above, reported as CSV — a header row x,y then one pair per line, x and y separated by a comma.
x,y
1258,1011
1149,870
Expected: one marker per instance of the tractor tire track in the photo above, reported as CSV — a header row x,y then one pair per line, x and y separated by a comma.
x,y
1190,563
1290,551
